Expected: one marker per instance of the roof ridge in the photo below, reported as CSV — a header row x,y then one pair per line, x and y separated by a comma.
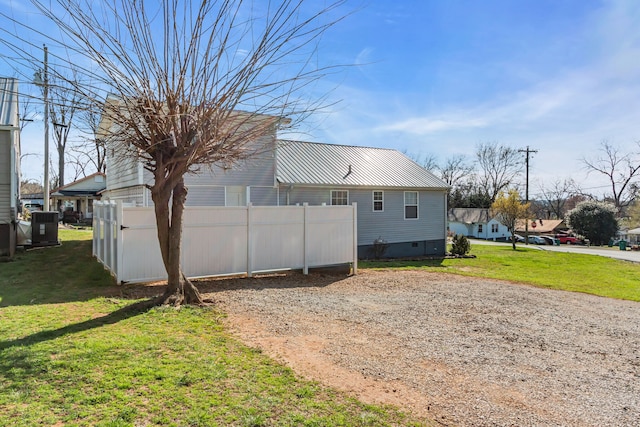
x,y
337,145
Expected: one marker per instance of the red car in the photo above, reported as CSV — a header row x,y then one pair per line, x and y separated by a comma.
x,y
569,240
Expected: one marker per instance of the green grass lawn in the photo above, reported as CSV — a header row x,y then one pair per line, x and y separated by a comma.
x,y
74,352
555,270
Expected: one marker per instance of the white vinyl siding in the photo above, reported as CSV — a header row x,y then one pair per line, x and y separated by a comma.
x,y
411,205
378,201
339,197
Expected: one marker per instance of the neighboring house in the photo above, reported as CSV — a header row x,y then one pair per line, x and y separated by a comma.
x,y
32,201
478,223
9,165
542,226
399,202
79,195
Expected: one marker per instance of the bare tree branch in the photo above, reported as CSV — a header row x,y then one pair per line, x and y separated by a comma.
x,y
621,169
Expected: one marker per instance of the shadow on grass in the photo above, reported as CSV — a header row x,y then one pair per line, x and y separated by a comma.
x,y
109,319
56,274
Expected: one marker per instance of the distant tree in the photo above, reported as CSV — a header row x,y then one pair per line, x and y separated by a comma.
x,y
64,102
89,153
30,187
633,215
456,170
497,167
427,161
594,220
554,198
508,209
621,170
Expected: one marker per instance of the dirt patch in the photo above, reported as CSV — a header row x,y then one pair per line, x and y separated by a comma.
x,y
458,350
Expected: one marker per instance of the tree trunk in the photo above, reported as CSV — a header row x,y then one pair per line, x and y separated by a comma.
x,y
179,290
513,241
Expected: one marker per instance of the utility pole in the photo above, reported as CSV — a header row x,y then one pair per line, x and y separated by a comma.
x,y
45,90
526,222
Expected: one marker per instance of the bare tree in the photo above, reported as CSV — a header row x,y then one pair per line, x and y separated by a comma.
x,y
89,154
179,72
63,104
456,170
498,166
621,169
554,197
427,161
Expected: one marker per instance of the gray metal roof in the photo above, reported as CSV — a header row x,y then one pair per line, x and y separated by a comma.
x,y
311,163
8,102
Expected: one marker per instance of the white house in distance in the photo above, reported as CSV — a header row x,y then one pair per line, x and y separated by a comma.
x,y
398,201
9,165
477,223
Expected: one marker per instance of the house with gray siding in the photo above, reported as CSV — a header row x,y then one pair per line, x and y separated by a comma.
x,y
9,165
399,202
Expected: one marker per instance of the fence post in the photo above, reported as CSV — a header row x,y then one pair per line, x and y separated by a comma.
x,y
305,239
96,228
355,237
119,244
249,239
106,231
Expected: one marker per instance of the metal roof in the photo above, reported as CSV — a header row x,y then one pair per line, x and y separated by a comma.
x,y
312,163
8,102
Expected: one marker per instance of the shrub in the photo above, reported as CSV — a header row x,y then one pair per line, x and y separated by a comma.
x,y
460,245
379,247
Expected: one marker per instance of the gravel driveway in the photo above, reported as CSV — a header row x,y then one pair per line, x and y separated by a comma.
x,y
462,351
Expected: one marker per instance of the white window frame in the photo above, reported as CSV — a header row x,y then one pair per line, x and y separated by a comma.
x,y
333,198
406,205
495,228
381,201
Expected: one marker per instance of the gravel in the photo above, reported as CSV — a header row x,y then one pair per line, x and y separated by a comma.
x,y
461,351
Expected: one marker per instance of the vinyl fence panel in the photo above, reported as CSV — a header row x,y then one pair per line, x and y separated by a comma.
x,y
226,240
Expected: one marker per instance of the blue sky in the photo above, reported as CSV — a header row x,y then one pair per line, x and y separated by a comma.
x,y
440,77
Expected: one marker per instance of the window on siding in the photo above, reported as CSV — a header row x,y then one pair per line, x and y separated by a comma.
x,y
378,201
479,228
410,205
339,197
494,228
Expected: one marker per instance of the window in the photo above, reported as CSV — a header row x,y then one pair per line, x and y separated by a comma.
x,y
479,228
494,228
378,201
339,197
410,205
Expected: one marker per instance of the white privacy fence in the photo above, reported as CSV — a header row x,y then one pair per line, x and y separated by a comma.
x,y
226,240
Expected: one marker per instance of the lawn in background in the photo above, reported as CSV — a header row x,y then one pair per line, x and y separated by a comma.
x,y
73,352
590,274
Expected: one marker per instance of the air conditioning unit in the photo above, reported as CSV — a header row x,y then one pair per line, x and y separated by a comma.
x,y
44,228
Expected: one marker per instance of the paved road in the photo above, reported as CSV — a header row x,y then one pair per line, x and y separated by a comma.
x,y
614,252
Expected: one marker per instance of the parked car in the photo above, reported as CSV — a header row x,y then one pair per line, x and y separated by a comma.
x,y
550,240
567,239
537,240
519,238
